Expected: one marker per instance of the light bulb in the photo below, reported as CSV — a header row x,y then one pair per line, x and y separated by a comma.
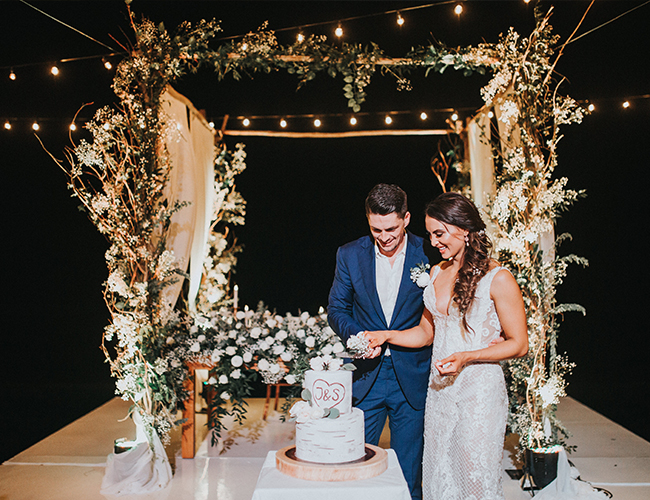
x,y
454,117
317,123
339,31
626,104
423,116
458,10
12,75
300,37
353,121
211,125
73,127
591,107
490,114
107,64
388,120
7,125
400,19
54,70
36,126
283,123
246,122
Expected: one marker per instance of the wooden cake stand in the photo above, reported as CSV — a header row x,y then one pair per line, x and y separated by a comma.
x,y
372,464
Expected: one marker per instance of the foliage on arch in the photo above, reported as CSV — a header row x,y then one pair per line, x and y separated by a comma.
x,y
120,176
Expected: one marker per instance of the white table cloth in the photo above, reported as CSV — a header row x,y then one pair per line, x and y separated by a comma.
x,y
274,485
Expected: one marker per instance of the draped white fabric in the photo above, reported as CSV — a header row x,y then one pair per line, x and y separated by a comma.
x,y
508,128
191,180
142,469
566,486
480,157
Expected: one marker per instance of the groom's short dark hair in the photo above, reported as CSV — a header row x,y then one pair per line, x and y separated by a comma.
x,y
385,199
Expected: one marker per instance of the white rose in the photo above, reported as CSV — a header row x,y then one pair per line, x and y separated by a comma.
x,y
316,364
422,280
275,368
170,340
263,365
235,374
248,357
286,356
212,381
195,347
278,349
278,318
311,321
290,379
231,350
338,347
310,341
263,345
200,338
327,349
223,379
225,396
255,332
300,411
237,361
215,357
241,314
304,316
271,322
281,335
300,333
317,412
270,340
232,334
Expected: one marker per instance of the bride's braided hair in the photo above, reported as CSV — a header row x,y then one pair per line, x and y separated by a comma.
x,y
456,210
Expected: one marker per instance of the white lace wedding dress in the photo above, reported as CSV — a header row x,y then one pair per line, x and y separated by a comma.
x,y
466,414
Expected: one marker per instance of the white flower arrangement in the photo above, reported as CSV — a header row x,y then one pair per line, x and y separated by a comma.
x,y
358,346
420,274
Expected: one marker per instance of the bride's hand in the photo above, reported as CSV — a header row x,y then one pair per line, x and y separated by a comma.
x,y
451,365
375,339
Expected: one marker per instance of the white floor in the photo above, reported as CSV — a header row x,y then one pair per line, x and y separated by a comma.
x,y
69,464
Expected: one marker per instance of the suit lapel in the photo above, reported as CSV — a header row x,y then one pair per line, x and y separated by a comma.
x,y
367,266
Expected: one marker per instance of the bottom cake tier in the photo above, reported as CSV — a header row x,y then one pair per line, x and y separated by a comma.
x,y
331,441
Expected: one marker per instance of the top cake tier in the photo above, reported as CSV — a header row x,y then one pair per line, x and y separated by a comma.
x,y
330,389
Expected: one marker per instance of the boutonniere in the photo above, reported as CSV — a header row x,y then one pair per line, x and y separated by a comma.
x,y
420,274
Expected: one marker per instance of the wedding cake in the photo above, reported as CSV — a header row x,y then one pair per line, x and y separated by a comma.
x,y
328,429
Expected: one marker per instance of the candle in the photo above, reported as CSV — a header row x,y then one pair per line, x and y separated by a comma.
x,y
235,297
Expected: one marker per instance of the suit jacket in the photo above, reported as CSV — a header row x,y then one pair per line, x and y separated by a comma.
x,y
354,306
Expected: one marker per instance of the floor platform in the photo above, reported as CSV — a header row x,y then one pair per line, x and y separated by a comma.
x,y
69,464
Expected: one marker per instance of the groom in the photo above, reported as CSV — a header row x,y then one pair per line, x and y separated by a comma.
x,y
372,290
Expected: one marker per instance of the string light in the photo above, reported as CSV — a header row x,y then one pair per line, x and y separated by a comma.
x,y
388,120
300,38
353,121
283,123
454,117
211,125
591,107
458,10
339,31
73,127
423,116
490,114
626,104
317,123
36,126
7,125
54,70
12,75
107,64
400,19
246,122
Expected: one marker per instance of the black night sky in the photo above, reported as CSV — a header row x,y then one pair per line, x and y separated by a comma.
x,y
305,196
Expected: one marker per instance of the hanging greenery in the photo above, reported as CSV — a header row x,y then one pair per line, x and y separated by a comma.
x,y
120,177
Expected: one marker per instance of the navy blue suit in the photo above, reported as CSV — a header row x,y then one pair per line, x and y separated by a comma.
x,y
397,384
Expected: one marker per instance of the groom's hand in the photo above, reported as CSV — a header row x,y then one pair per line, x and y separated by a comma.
x,y
373,353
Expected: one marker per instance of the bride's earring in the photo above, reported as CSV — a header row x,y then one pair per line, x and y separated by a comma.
x,y
466,240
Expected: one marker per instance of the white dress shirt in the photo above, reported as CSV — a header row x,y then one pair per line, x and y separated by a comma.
x,y
388,279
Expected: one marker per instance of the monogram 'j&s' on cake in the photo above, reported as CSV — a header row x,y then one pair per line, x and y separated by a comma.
x,y
328,429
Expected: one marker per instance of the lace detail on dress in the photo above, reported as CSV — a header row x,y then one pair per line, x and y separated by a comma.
x,y
466,414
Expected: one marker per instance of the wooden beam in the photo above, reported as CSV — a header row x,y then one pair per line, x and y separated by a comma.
x,y
334,135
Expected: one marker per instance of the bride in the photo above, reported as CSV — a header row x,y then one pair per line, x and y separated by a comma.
x,y
470,302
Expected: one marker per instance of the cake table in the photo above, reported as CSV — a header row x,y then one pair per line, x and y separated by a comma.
x,y
275,485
